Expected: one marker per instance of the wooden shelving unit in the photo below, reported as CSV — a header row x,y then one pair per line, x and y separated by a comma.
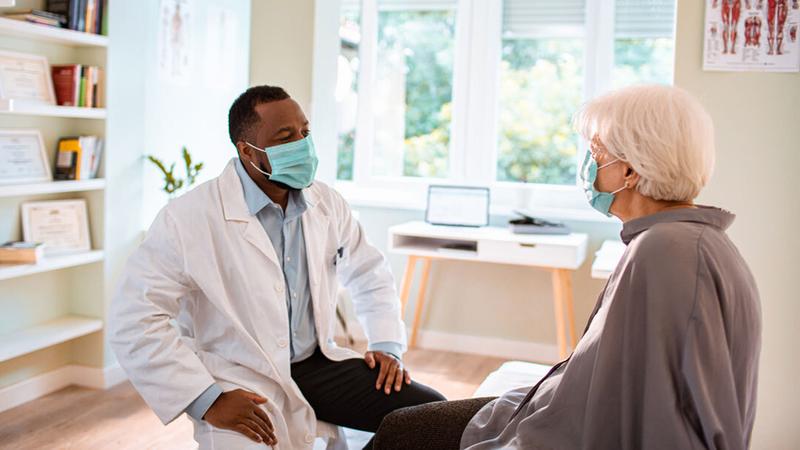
x,y
45,335
44,33
49,263
70,287
36,109
51,187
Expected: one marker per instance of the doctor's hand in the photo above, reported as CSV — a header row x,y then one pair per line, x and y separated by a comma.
x,y
391,371
239,411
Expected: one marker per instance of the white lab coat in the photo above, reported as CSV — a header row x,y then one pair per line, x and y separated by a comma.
x,y
208,264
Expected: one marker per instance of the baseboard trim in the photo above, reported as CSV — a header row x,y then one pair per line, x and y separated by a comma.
x,y
488,346
49,382
475,345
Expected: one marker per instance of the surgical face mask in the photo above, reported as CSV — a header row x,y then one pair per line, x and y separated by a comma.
x,y
600,201
293,164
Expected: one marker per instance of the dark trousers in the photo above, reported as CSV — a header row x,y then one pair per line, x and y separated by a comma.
x,y
343,393
434,426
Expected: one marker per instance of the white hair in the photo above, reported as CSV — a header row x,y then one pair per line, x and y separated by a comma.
x,y
661,131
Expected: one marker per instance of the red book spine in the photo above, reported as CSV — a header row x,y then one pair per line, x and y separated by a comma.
x,y
64,84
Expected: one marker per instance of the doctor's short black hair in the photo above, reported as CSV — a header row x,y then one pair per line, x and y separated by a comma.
x,y
242,115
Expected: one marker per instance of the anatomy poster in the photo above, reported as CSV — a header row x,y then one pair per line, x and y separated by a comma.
x,y
173,40
752,35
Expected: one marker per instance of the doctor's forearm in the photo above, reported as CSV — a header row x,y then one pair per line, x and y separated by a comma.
x,y
197,409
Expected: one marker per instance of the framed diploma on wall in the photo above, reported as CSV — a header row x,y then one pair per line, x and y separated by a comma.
x,y
61,225
23,158
25,77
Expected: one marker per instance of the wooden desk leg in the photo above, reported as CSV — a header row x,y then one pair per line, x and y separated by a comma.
x,y
566,279
558,307
408,277
423,285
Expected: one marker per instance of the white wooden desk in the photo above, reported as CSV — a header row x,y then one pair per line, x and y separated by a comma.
x,y
607,258
560,254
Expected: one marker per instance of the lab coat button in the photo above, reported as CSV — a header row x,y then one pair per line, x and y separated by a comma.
x,y
282,342
309,438
279,287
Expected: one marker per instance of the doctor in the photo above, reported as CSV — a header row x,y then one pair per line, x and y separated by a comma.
x,y
227,309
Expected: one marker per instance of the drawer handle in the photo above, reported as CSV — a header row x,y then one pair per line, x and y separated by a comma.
x,y
527,245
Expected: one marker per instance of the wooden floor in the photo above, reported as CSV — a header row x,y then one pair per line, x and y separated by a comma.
x,y
80,418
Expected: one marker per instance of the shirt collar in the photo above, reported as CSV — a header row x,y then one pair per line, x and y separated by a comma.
x,y
709,215
257,200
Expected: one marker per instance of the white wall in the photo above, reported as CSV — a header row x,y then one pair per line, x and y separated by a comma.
x,y
192,110
758,155
282,46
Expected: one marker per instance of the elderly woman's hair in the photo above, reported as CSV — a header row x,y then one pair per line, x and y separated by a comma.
x,y
661,131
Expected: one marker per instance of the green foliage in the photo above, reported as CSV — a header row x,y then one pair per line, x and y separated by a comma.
x,y
344,158
173,184
540,89
426,41
643,60
191,170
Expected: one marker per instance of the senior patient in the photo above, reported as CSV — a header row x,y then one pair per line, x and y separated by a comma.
x,y
669,357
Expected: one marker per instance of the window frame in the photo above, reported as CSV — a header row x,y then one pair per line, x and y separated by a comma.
x,y
474,126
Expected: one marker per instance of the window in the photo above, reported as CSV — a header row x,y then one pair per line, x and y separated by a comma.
x,y
541,84
413,92
347,87
483,92
643,42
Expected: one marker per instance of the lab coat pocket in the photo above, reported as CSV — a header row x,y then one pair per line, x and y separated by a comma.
x,y
341,257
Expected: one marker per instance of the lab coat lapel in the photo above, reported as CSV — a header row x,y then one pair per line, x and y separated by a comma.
x,y
254,233
235,210
315,232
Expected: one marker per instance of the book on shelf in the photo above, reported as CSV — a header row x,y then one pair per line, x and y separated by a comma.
x,y
38,16
20,252
78,158
78,85
88,16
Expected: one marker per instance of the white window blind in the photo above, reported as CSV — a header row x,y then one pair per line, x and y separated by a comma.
x,y
418,5
644,18
537,18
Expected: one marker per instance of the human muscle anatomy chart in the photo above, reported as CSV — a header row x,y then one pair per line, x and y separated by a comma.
x,y
757,35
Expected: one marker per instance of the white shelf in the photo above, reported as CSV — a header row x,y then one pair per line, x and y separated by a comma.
x,y
51,187
10,106
50,263
22,29
45,335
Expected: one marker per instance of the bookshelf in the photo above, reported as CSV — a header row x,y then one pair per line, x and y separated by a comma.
x,y
34,109
49,263
52,312
52,187
43,33
47,334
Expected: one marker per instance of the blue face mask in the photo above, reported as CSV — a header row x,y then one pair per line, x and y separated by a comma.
x,y
600,201
293,164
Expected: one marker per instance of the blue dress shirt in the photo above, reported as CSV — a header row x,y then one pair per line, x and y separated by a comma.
x,y
285,231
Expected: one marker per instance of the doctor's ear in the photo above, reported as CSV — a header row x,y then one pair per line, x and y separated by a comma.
x,y
243,149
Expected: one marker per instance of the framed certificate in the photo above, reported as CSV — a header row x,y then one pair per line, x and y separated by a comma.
x,y
23,158
25,77
61,225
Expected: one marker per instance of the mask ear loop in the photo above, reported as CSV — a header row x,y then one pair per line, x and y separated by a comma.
x,y
625,186
255,166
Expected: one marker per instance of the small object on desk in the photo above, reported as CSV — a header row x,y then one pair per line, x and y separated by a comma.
x,y
532,225
21,252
